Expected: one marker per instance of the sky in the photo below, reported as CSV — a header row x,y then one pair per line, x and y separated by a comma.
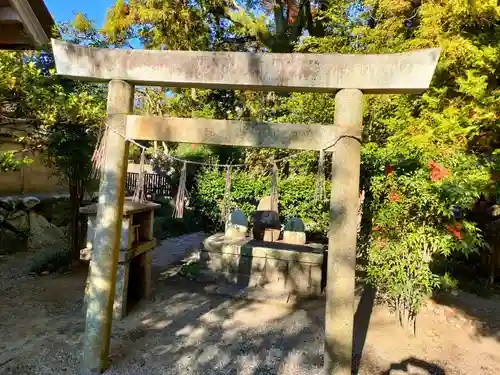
x,y
65,10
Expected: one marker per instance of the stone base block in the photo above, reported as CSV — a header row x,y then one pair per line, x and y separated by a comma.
x,y
279,267
296,238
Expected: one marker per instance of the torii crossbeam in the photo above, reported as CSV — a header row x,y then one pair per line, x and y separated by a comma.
x,y
350,75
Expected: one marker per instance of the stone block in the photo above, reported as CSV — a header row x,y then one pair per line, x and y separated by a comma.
x,y
271,235
253,280
42,233
294,238
223,262
19,221
298,280
30,202
248,265
11,242
276,269
236,225
236,232
231,249
124,281
266,204
298,253
296,270
4,213
294,232
316,274
258,263
8,203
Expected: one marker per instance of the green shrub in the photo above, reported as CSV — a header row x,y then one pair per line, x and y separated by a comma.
x,y
464,273
413,204
165,166
297,199
166,206
296,196
165,225
191,270
448,282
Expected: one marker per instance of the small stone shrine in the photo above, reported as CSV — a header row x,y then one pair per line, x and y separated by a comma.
x,y
133,280
280,266
266,221
294,232
236,225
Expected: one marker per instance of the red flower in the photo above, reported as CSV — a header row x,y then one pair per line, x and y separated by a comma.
x,y
456,231
193,146
389,169
438,172
394,197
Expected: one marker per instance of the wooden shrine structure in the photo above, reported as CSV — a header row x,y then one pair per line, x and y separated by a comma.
x,y
25,24
348,75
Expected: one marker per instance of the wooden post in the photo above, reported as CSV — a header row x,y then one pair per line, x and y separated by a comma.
x,y
339,313
106,248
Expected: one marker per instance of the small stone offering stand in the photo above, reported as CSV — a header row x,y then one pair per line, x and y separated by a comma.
x,y
133,280
280,263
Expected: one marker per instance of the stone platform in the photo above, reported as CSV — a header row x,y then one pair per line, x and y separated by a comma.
x,y
278,267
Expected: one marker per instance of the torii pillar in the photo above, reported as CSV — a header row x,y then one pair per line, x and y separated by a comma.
x,y
350,76
342,236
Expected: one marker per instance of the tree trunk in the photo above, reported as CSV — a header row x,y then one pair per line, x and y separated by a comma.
x,y
74,228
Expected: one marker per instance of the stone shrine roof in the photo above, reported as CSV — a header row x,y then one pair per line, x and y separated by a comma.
x,y
130,207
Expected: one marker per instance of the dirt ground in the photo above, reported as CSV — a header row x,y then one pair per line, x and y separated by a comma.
x,y
183,330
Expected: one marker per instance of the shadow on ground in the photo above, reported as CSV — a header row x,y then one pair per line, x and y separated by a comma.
x,y
361,324
184,330
484,313
190,332
415,366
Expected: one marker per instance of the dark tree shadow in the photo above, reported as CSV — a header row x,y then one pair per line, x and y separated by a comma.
x,y
361,325
485,313
412,362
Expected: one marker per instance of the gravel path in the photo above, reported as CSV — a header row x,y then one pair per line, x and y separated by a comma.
x,y
191,333
185,331
173,250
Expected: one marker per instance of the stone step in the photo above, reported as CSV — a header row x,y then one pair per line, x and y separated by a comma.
x,y
254,293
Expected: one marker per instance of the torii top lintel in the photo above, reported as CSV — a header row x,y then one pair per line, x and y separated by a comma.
x,y
409,72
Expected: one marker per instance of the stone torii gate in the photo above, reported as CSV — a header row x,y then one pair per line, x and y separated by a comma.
x,y
350,75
